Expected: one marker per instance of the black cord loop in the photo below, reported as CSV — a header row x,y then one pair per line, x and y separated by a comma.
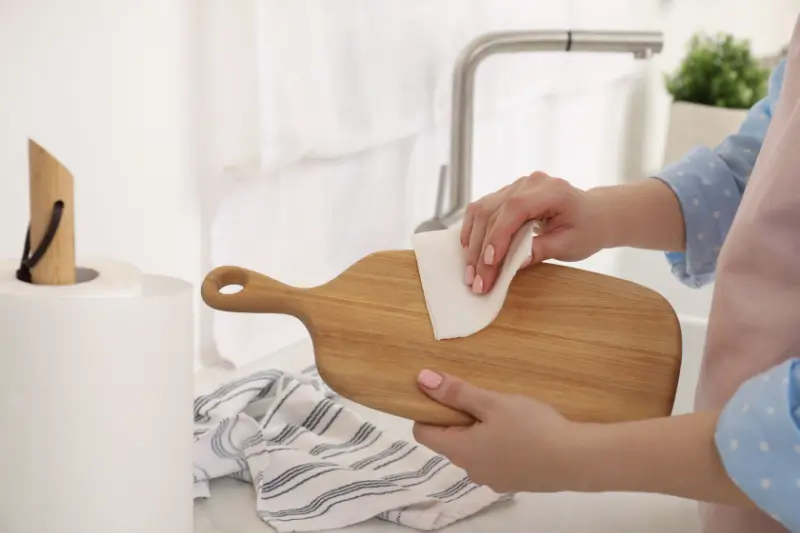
x,y
28,262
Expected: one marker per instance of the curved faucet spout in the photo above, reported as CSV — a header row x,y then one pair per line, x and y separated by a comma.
x,y
459,171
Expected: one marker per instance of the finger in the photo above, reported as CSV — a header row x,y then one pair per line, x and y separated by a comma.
x,y
475,207
477,243
510,218
474,247
542,200
541,251
550,246
538,229
466,226
457,393
478,285
447,441
550,243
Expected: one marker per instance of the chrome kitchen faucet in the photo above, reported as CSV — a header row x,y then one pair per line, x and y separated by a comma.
x,y
459,171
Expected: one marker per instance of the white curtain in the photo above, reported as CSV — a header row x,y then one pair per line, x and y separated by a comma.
x,y
354,118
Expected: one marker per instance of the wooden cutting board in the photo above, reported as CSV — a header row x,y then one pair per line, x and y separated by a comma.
x,y
597,348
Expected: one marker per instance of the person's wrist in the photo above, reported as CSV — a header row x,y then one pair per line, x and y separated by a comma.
x,y
575,457
585,469
601,215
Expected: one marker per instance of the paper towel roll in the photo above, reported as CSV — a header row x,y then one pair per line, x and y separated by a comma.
x,y
99,278
96,388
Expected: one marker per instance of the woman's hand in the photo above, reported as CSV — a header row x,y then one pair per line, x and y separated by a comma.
x,y
571,229
516,445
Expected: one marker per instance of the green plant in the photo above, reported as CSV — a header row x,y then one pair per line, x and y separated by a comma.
x,y
719,71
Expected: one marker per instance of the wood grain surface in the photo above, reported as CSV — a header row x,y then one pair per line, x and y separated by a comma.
x,y
595,347
50,182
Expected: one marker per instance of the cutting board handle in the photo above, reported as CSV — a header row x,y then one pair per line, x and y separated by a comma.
x,y
258,293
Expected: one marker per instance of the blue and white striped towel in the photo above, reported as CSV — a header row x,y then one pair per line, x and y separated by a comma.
x,y
317,465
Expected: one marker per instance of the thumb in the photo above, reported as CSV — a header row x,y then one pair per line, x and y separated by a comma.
x,y
548,246
457,393
450,442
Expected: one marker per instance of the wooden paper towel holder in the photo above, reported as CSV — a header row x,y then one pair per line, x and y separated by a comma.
x,y
49,253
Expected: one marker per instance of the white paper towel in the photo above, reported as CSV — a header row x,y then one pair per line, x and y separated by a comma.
x,y
455,311
96,389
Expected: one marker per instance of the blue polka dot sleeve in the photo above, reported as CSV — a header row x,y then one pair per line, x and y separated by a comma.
x,y
758,438
709,185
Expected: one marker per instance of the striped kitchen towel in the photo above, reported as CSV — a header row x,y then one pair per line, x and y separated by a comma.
x,y
316,464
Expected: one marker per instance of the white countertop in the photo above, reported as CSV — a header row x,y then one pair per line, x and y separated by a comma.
x,y
231,508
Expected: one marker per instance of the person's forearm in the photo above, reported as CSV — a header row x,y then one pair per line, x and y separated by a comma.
x,y
644,214
674,455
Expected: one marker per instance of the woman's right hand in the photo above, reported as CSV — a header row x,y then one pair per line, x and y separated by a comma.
x,y
571,228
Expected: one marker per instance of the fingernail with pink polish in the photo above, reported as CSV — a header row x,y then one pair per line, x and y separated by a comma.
x,y
469,277
488,255
477,285
429,379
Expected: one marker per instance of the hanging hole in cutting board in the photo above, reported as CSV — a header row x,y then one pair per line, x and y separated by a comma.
x,y
231,289
230,280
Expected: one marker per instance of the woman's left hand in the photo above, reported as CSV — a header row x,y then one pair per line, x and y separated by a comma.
x,y
517,444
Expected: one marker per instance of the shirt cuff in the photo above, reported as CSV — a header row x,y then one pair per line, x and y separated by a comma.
x,y
758,438
708,200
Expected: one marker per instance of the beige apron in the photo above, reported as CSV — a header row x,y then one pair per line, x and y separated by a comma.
x,y
755,315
